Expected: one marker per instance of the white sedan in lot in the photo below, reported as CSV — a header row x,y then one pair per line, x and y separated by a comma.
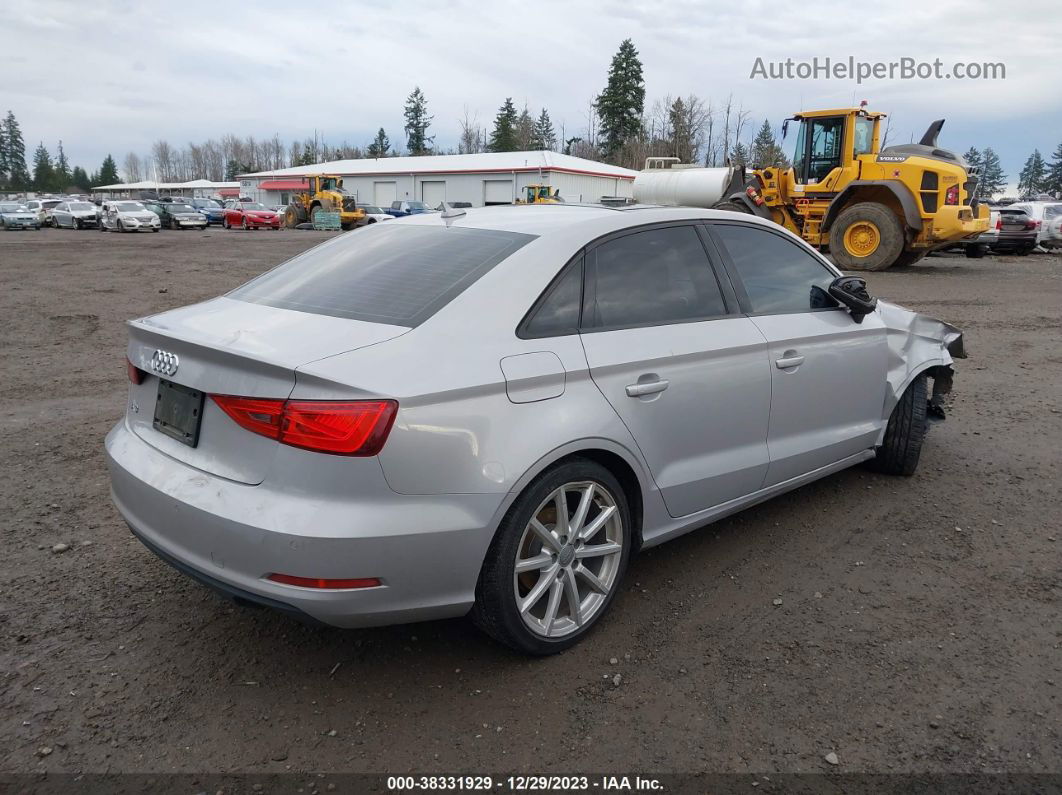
x,y
128,216
75,215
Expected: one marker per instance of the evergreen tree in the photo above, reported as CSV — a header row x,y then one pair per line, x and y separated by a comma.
x,y
418,142
43,172
1053,178
80,178
739,155
62,169
525,131
380,145
18,174
545,137
765,149
620,105
993,180
503,137
1032,177
973,158
5,168
108,172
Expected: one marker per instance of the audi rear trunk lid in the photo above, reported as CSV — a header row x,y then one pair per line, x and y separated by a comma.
x,y
229,347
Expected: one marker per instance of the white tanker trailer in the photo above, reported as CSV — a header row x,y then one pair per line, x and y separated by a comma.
x,y
685,186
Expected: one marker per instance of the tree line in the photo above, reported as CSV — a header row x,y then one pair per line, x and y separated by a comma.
x,y
617,129
50,174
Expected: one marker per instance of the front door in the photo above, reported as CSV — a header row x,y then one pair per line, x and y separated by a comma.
x,y
828,373
684,371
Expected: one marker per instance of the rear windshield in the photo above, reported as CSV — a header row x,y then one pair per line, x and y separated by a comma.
x,y
388,273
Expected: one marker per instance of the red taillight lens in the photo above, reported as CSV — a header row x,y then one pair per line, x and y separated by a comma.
x,y
951,195
357,428
317,582
1031,224
136,375
258,415
348,428
999,223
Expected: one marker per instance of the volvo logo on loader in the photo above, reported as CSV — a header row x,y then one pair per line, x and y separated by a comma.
x,y
164,362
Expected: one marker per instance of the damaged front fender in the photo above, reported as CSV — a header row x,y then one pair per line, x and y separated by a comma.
x,y
917,344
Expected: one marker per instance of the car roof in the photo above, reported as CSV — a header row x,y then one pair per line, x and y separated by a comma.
x,y
542,219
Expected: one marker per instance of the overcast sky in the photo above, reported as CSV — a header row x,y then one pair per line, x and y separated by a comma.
x,y
111,77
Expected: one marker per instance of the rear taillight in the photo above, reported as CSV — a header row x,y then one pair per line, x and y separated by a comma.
x,y
951,195
136,375
999,222
317,582
1031,224
354,427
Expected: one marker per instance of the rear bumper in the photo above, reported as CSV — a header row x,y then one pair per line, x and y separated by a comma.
x,y
426,551
1012,240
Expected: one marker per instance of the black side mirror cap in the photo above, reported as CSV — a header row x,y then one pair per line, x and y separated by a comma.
x,y
851,291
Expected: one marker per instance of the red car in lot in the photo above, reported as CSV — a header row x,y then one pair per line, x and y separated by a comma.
x,y
249,215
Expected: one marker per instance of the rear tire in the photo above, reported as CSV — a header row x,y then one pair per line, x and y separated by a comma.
x,y
733,207
910,257
561,564
975,251
902,445
866,237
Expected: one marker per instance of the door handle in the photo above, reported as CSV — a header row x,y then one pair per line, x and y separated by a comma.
x,y
790,360
651,388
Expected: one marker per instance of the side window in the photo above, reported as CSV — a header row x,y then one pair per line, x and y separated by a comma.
x,y
651,277
778,275
559,311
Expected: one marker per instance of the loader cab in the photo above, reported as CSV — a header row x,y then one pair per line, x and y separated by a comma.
x,y
534,194
331,183
828,146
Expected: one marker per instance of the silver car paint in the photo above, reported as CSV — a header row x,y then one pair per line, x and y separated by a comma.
x,y
421,514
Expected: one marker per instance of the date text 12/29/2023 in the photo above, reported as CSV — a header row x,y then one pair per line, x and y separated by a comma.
x,y
529,783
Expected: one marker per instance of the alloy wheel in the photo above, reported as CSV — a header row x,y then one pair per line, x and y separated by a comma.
x,y
568,559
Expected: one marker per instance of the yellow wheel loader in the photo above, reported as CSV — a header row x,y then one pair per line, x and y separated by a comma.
x,y
870,207
325,194
540,194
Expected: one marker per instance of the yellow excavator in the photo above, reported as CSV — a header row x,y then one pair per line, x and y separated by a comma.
x,y
325,194
870,207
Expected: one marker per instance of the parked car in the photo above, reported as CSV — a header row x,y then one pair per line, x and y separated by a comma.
x,y
249,215
455,205
14,215
400,209
211,209
75,214
1017,231
177,216
43,209
128,216
1048,218
981,244
631,375
374,214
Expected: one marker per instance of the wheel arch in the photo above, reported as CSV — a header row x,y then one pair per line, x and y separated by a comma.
x,y
935,368
617,459
882,191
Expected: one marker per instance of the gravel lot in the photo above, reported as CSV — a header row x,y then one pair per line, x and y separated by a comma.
x,y
918,630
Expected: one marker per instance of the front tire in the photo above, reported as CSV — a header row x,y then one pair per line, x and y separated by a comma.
x,y
866,237
902,446
732,206
557,560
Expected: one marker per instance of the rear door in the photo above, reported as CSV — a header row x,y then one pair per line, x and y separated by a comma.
x,y
686,373
828,373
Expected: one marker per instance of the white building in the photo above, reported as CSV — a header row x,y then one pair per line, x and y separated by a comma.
x,y
197,188
480,179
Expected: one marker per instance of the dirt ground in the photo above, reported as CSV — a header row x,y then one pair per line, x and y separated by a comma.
x,y
919,627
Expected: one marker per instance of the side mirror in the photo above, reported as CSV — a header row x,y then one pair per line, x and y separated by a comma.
x,y
851,291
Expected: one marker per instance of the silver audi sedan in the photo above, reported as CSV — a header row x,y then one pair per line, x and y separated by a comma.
x,y
491,410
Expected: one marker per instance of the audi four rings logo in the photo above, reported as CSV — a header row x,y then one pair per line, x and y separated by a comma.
x,y
164,362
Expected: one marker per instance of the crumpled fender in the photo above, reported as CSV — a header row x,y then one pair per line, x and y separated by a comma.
x,y
917,343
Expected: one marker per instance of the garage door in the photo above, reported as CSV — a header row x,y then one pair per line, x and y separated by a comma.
x,y
383,193
497,191
433,193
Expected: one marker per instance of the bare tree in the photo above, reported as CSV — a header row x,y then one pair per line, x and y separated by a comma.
x,y
132,167
470,141
162,155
